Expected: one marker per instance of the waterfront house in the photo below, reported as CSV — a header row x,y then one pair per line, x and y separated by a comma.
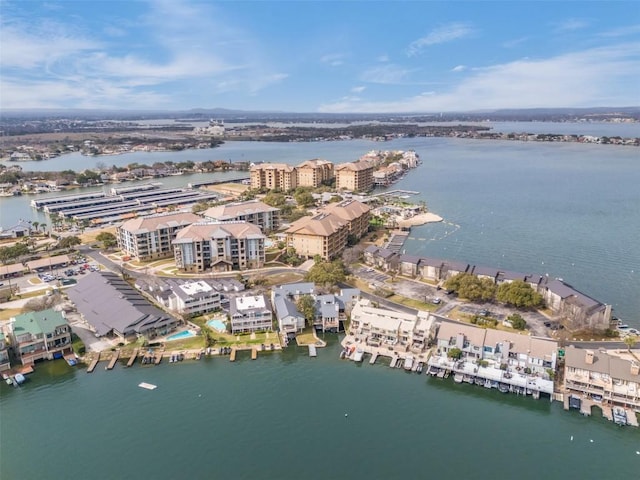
x,y
397,331
114,309
193,297
382,258
4,353
219,247
293,291
290,320
609,376
42,335
253,211
328,313
150,237
452,268
430,268
250,313
485,272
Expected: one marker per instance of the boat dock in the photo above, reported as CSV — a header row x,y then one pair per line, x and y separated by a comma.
x,y
114,359
396,242
232,356
93,364
254,353
133,357
313,351
157,358
394,360
373,359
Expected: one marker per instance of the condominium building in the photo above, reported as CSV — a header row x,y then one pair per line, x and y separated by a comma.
x,y
4,354
274,176
355,213
253,211
192,297
608,376
42,335
147,238
354,176
250,314
324,234
314,173
219,247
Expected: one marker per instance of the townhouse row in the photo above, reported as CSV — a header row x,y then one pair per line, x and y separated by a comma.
x,y
578,311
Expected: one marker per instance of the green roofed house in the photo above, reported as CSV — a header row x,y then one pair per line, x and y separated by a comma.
x,y
43,335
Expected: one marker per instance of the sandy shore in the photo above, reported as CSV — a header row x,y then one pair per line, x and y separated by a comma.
x,y
420,219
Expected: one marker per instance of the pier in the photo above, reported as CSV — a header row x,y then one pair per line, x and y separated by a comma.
x,y
157,358
312,351
114,359
374,357
93,364
232,356
394,360
133,357
254,353
396,242
217,182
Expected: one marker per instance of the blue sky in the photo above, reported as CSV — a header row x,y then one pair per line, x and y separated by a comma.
x,y
319,56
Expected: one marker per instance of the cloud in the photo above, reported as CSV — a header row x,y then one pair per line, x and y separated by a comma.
x,y
459,68
48,64
571,25
622,31
444,34
385,74
514,42
333,59
605,76
383,58
358,89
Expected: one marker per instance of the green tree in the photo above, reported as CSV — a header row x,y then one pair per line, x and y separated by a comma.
x,y
275,199
517,321
307,307
630,342
304,198
107,239
519,294
327,273
454,353
471,287
69,242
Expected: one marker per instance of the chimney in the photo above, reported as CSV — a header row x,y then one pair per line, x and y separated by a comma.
x,y
635,368
588,357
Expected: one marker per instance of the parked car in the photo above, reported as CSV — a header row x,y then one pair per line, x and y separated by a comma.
x,y
436,301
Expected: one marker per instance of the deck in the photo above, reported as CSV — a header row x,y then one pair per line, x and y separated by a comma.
x,y
373,359
313,352
254,353
133,357
232,356
93,364
114,359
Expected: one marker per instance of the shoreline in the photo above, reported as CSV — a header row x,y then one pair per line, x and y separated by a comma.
x,y
420,219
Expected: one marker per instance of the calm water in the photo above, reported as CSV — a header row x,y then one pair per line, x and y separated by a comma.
x,y
283,416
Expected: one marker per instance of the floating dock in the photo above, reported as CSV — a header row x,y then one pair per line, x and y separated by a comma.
x,y
254,353
313,351
132,358
114,359
232,357
374,357
148,386
93,364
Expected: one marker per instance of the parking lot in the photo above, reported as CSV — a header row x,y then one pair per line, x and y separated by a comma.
x,y
370,275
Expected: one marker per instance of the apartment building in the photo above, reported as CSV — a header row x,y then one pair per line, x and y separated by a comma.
x,y
314,173
274,176
354,176
608,376
219,246
42,335
323,234
253,211
355,213
250,314
148,238
193,297
4,354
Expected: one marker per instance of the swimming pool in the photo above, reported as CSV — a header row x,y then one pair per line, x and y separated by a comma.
x,y
218,325
181,335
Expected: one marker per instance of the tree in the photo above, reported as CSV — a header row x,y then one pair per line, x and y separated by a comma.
x,y
69,242
304,198
328,273
275,199
517,321
209,339
630,342
471,287
307,307
108,239
454,353
519,294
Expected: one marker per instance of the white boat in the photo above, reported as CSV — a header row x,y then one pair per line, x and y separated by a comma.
x,y
19,378
408,362
359,355
457,378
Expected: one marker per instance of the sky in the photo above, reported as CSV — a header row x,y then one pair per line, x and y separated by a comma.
x,y
319,56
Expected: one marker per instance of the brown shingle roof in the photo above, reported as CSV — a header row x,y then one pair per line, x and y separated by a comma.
x,y
233,210
155,222
324,224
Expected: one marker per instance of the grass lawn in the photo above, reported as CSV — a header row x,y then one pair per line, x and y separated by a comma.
x,y
288,277
190,343
245,339
306,337
7,313
90,236
410,302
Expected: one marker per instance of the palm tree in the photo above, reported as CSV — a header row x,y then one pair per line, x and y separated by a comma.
x,y
630,342
35,226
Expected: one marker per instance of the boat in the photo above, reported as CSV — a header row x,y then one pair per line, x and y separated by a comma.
x,y
408,363
504,388
18,379
467,378
343,354
359,355
619,416
536,394
494,384
419,367
457,378
480,381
